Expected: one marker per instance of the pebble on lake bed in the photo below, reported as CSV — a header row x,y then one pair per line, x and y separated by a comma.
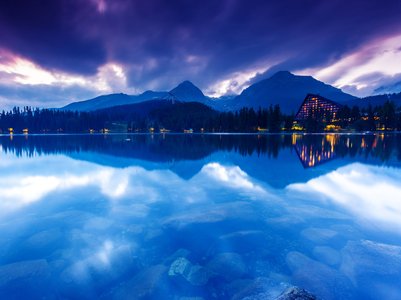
x,y
296,293
194,274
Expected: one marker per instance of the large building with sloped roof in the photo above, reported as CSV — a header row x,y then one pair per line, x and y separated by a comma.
x,y
317,107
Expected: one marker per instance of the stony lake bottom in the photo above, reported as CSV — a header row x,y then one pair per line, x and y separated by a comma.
x,y
200,216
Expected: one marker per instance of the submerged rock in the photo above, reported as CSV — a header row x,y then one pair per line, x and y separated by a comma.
x,y
194,274
347,231
244,241
198,275
146,284
181,266
327,255
26,279
318,235
179,253
260,288
228,265
212,214
321,279
24,270
45,239
296,293
367,258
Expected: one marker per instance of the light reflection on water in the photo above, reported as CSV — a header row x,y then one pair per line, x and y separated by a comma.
x,y
175,216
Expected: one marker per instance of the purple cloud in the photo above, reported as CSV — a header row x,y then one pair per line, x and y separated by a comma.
x,y
160,43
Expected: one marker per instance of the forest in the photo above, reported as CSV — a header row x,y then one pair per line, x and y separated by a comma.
x,y
164,115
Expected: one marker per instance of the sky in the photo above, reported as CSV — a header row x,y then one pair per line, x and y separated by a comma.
x,y
53,52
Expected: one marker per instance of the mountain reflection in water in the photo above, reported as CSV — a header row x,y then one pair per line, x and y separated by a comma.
x,y
311,149
201,216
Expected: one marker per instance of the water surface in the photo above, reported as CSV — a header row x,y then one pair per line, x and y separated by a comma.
x,y
201,216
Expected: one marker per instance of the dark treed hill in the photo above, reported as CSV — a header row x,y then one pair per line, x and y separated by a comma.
x,y
376,100
169,114
141,109
178,116
153,115
48,121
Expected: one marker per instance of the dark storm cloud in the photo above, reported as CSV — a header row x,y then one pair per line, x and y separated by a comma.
x,y
50,33
163,42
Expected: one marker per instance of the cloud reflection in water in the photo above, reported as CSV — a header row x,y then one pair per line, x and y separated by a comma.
x,y
371,193
116,222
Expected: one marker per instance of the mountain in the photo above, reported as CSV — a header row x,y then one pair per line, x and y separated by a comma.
x,y
287,90
98,102
111,100
141,109
149,95
389,89
184,92
283,88
187,91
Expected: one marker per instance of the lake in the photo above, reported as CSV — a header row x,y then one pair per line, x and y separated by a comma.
x,y
200,216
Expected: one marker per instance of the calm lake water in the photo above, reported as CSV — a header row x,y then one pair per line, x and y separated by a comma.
x,y
200,216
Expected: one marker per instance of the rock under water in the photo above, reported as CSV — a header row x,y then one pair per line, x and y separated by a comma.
x,y
296,293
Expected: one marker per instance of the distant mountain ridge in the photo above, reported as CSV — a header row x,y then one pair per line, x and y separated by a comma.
x,y
111,100
394,88
283,88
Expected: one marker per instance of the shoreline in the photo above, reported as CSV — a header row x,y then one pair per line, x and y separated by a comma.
x,y
205,133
